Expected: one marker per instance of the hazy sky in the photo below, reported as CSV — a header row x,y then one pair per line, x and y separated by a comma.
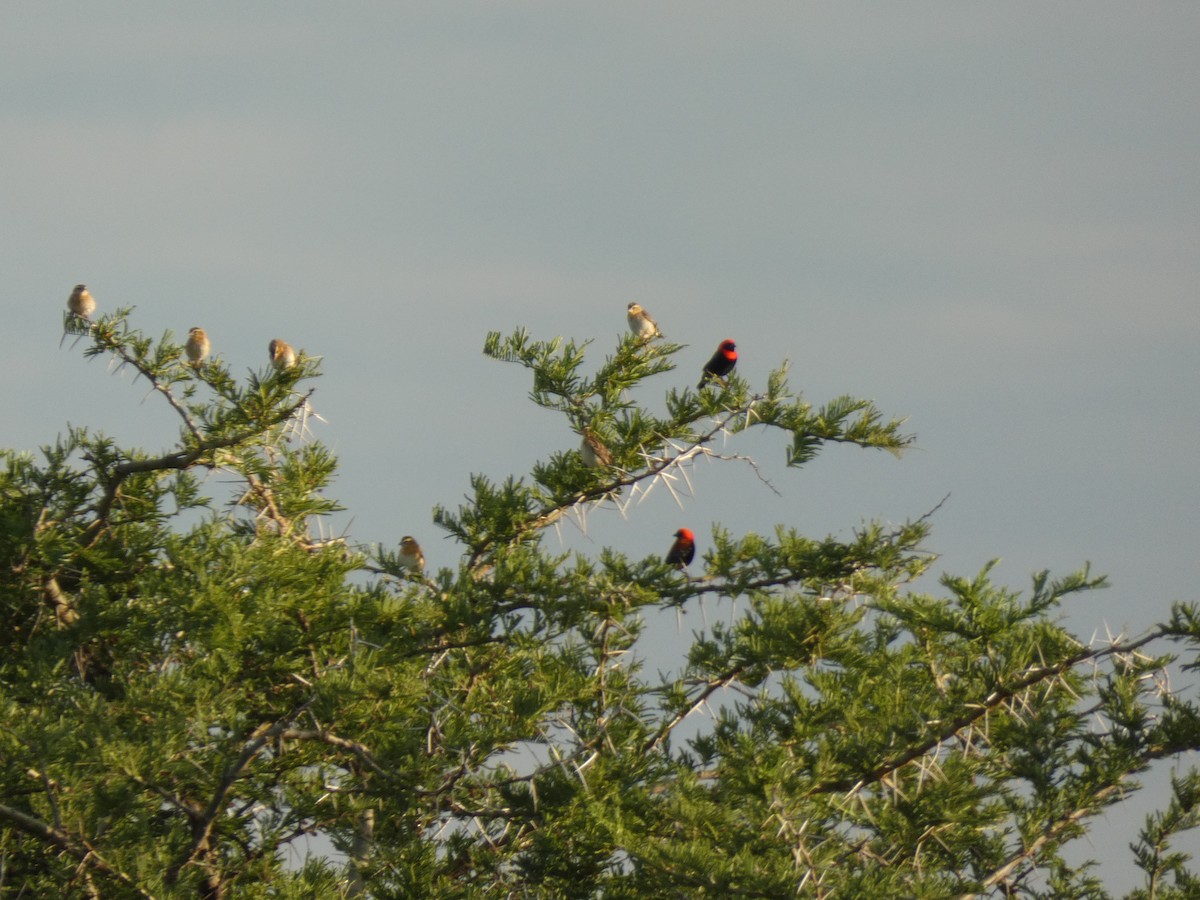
x,y
984,217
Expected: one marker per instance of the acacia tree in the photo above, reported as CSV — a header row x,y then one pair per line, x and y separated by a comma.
x,y
190,686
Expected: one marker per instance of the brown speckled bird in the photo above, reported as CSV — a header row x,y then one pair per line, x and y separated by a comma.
x,y
683,551
720,365
81,303
591,448
411,556
283,356
641,324
197,346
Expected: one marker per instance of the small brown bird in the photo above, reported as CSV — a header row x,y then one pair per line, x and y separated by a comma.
x,y
683,551
641,324
595,454
411,556
81,302
282,354
720,365
197,346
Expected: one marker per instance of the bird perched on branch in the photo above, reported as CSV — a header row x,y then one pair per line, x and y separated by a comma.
x,y
591,448
283,356
641,324
81,303
720,365
683,551
411,556
197,346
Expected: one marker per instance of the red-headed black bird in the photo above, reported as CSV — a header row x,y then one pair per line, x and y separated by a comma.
x,y
720,365
683,551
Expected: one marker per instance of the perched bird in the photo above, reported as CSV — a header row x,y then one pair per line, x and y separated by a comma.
x,y
595,454
81,302
197,346
720,365
641,324
683,551
282,354
411,556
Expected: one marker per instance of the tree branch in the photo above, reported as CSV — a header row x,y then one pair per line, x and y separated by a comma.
x,y
326,737
710,688
106,339
69,844
1050,834
656,467
997,698
202,825
180,460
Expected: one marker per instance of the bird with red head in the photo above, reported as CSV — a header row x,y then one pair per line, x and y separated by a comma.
x,y
720,365
683,551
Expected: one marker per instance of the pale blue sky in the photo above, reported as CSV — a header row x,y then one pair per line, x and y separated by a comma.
x,y
986,218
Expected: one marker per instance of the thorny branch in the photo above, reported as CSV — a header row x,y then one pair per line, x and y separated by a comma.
x,y
1051,833
997,698
106,340
178,461
656,468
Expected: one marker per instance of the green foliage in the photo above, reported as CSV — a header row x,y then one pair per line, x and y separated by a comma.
x,y
1152,852
191,687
